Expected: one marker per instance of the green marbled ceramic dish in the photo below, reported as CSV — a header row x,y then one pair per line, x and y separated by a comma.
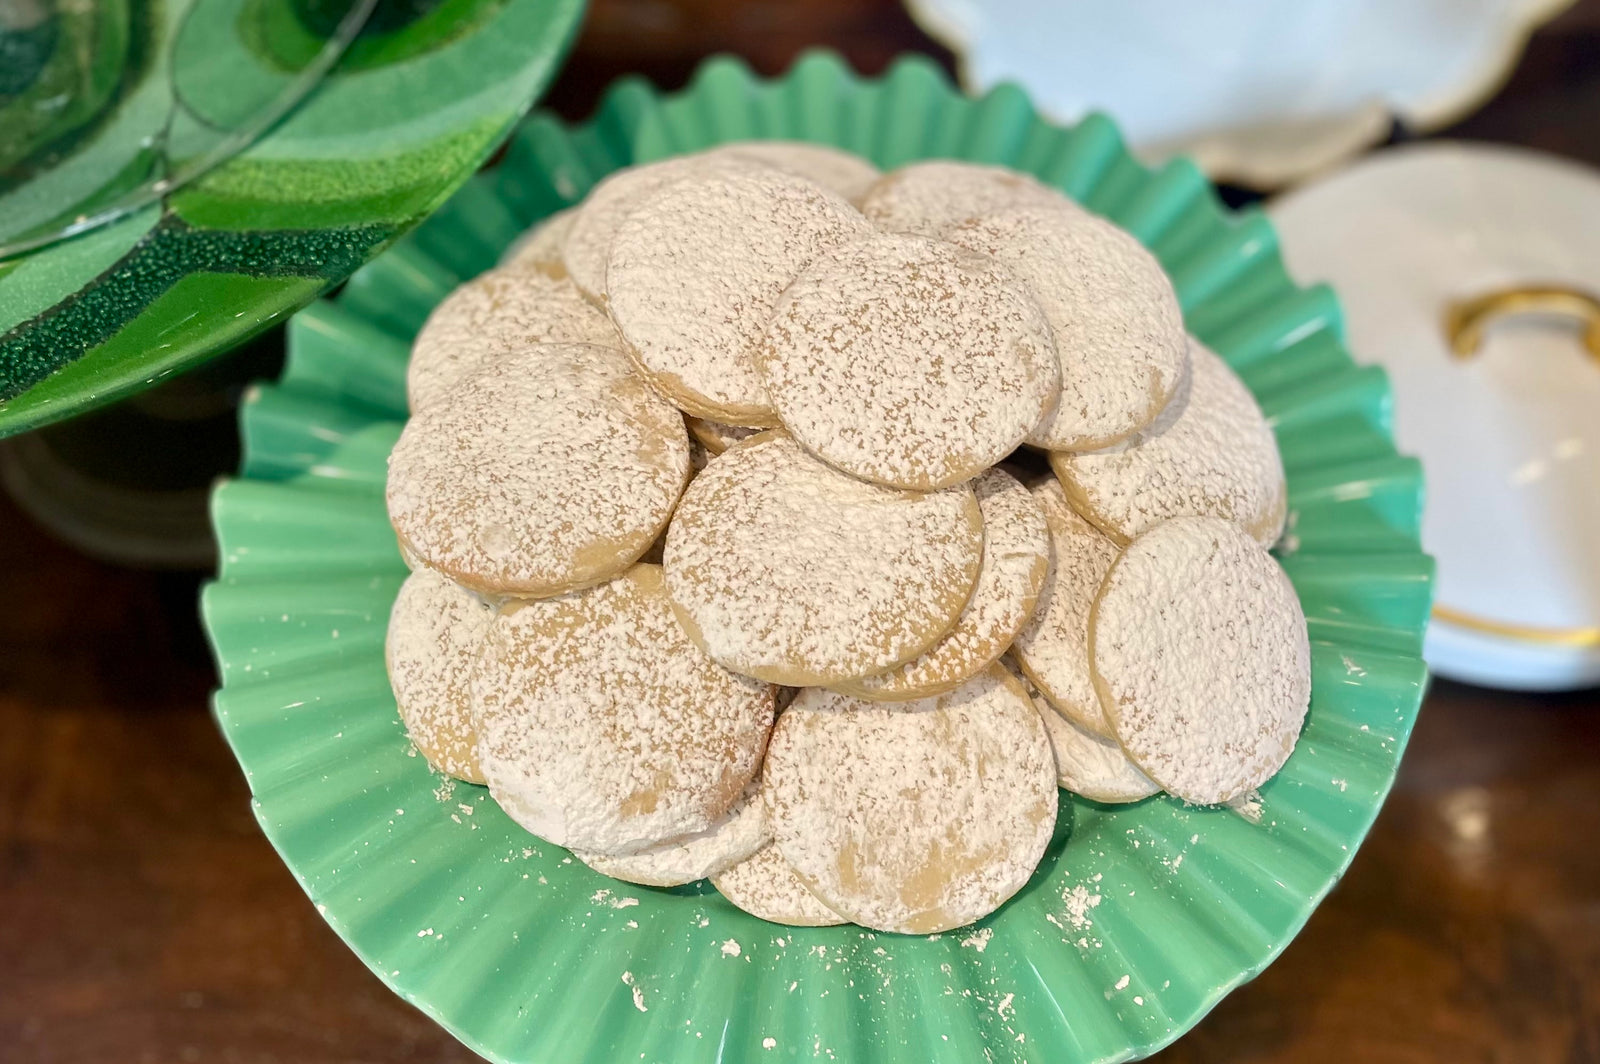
x,y
1140,918
196,259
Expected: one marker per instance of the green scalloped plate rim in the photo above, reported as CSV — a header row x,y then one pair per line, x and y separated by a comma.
x,y
1140,918
406,115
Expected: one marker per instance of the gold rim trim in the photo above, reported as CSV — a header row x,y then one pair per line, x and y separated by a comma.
x,y
1526,633
1465,320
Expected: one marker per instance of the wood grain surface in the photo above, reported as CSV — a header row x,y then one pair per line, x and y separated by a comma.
x,y
145,920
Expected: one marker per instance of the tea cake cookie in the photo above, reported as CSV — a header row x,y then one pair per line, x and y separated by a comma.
x,y
587,246
1053,646
764,886
502,310
908,361
1016,559
697,268
1090,766
436,630
602,728
785,569
549,468
735,837
1201,658
933,197
1113,314
541,246
1211,453
918,817
840,171
715,436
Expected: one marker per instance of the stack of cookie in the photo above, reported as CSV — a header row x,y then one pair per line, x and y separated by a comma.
x,y
782,522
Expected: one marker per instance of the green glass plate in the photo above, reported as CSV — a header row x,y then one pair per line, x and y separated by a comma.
x,y
1139,919
411,108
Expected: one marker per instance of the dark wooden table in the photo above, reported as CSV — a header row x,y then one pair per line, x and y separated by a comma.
x,y
145,920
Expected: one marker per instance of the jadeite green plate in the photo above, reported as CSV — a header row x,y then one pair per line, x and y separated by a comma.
x,y
1140,918
408,111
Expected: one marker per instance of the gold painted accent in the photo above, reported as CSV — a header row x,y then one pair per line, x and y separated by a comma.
x,y
1526,633
1466,319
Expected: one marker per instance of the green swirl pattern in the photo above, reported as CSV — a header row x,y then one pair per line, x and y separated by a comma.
x,y
412,107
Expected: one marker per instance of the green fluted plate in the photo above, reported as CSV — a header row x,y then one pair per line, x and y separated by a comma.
x,y
1139,919
196,257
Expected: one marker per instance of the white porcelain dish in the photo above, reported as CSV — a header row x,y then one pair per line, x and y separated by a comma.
x,y
1260,92
1510,433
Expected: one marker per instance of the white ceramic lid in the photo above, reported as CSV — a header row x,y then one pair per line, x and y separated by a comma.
x,y
1509,436
1261,92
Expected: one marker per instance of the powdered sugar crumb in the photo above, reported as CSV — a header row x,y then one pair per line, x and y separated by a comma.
x,y
638,992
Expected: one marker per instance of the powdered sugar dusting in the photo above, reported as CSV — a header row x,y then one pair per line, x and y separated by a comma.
x,y
917,818
840,171
1114,316
785,569
931,198
764,885
740,833
1201,656
604,728
696,270
588,243
1093,767
499,312
909,361
436,630
550,468
1209,454
1016,559
1053,647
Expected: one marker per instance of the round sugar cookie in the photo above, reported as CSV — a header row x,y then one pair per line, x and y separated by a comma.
x,y
764,886
436,630
1211,453
500,311
1016,559
602,728
933,197
548,469
697,268
918,817
1201,658
785,569
908,361
1113,314
1091,766
735,837
1053,646
839,171
541,246
587,246
716,436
